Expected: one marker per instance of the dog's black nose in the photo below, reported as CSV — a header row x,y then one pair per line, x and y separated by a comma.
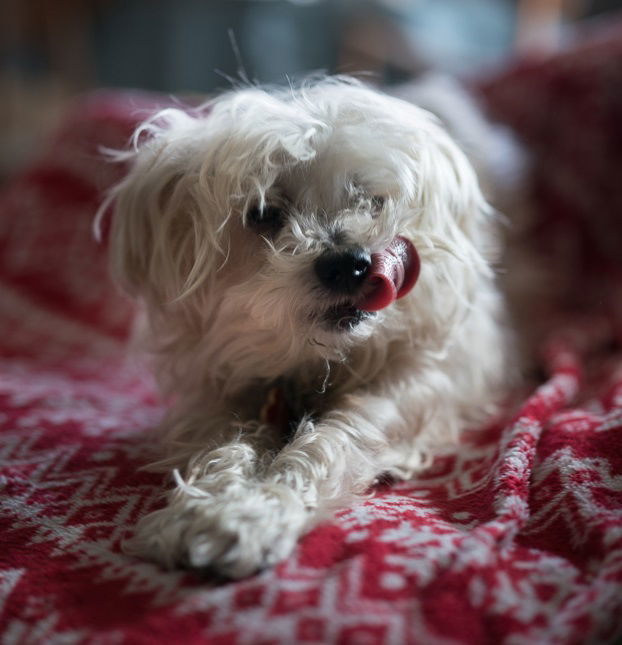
x,y
343,272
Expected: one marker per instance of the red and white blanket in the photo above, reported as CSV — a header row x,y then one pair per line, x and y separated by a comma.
x,y
517,538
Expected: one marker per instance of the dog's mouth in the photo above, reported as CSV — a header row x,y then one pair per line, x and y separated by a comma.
x,y
344,317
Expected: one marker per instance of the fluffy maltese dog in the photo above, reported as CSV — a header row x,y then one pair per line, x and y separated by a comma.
x,y
315,268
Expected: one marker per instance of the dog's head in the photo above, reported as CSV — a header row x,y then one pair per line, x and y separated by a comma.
x,y
274,228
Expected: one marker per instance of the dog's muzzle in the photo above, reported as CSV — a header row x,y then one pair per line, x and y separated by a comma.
x,y
373,281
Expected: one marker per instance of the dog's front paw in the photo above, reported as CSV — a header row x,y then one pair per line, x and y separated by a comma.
x,y
232,534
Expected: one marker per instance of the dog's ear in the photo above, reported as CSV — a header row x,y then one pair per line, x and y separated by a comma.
x,y
148,230
161,237
450,192
450,223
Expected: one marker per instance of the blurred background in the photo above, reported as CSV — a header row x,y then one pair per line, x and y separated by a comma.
x,y
52,50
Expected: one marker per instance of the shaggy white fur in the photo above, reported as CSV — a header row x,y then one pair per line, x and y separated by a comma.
x,y
218,228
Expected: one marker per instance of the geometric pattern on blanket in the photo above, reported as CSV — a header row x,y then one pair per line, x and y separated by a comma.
x,y
515,538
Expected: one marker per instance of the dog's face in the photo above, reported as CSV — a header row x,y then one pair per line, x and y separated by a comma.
x,y
281,228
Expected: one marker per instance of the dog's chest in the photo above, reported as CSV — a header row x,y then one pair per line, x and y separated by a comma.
x,y
282,403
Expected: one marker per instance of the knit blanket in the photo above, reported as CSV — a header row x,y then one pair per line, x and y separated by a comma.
x,y
516,537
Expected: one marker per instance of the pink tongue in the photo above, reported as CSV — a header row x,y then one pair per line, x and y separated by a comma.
x,y
393,274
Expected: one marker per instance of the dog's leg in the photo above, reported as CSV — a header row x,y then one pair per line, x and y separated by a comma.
x,y
204,516
241,508
333,459
258,522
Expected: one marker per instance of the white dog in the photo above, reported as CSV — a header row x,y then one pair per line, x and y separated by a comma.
x,y
315,265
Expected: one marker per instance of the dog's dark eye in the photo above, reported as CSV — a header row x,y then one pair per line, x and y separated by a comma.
x,y
266,219
377,202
